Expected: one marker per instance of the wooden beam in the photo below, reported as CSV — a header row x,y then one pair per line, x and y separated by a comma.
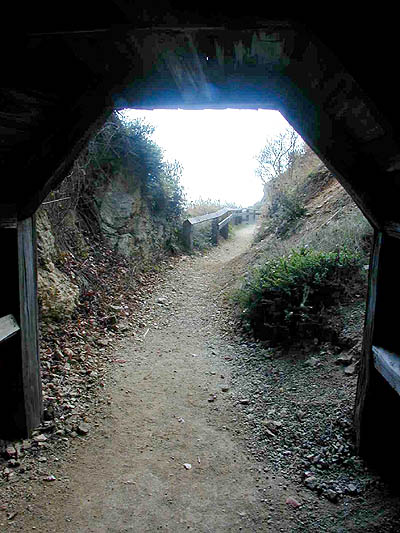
x,y
59,145
20,384
210,216
377,399
388,365
363,402
31,380
225,221
8,216
8,327
188,234
215,232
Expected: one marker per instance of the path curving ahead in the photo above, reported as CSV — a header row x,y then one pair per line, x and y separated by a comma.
x,y
167,454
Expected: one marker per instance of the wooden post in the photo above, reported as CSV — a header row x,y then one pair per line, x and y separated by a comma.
x,y
188,235
224,231
215,231
377,402
20,384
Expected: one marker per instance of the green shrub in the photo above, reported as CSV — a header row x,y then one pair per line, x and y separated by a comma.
x,y
287,297
285,211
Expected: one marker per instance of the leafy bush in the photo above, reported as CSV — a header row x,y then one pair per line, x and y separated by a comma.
x,y
118,147
126,147
286,298
284,212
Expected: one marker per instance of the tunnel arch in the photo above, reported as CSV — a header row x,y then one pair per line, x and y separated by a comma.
x,y
65,78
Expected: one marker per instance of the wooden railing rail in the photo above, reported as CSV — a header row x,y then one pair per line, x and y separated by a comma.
x,y
220,221
8,327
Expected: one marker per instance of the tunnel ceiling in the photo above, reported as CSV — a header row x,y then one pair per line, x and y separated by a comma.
x,y
63,80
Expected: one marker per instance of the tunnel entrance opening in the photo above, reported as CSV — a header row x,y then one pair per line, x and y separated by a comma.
x,y
267,65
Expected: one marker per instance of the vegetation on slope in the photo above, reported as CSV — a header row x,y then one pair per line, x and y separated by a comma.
x,y
287,297
119,147
72,240
310,257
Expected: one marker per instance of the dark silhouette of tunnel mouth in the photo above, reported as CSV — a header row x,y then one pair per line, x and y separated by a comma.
x,y
62,82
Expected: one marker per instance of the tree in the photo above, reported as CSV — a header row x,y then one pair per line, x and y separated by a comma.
x,y
278,155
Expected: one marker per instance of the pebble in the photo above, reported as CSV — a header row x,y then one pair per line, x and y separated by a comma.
x,y
11,451
332,495
344,360
351,488
311,482
351,369
83,429
40,438
292,502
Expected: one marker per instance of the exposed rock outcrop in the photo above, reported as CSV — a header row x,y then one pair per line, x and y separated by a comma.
x,y
127,222
58,295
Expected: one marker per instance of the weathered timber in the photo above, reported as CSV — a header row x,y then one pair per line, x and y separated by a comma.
x,y
388,365
216,225
210,216
224,231
223,226
225,221
392,229
376,398
215,232
29,323
8,327
60,147
20,384
363,402
8,216
188,234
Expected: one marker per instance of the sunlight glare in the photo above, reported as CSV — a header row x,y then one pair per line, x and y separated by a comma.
x,y
216,148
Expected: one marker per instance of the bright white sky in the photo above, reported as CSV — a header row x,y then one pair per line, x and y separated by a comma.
x,y
216,148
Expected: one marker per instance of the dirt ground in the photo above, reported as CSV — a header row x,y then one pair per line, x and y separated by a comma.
x,y
174,446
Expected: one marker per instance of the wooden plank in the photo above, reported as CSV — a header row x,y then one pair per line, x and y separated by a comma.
x,y
188,234
59,144
388,365
364,401
8,327
377,401
225,221
392,229
31,382
8,216
215,232
209,216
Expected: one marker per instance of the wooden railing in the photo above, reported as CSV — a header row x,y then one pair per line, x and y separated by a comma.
x,y
220,221
8,327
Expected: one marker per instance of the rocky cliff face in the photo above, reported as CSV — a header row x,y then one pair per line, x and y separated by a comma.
x,y
121,199
127,222
58,294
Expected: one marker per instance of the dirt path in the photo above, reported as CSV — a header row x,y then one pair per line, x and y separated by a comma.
x,y
170,406
179,442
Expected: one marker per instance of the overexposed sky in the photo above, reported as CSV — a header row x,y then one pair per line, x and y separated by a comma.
x,y
216,148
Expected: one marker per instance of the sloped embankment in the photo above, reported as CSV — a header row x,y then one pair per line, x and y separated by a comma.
x,y
329,237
